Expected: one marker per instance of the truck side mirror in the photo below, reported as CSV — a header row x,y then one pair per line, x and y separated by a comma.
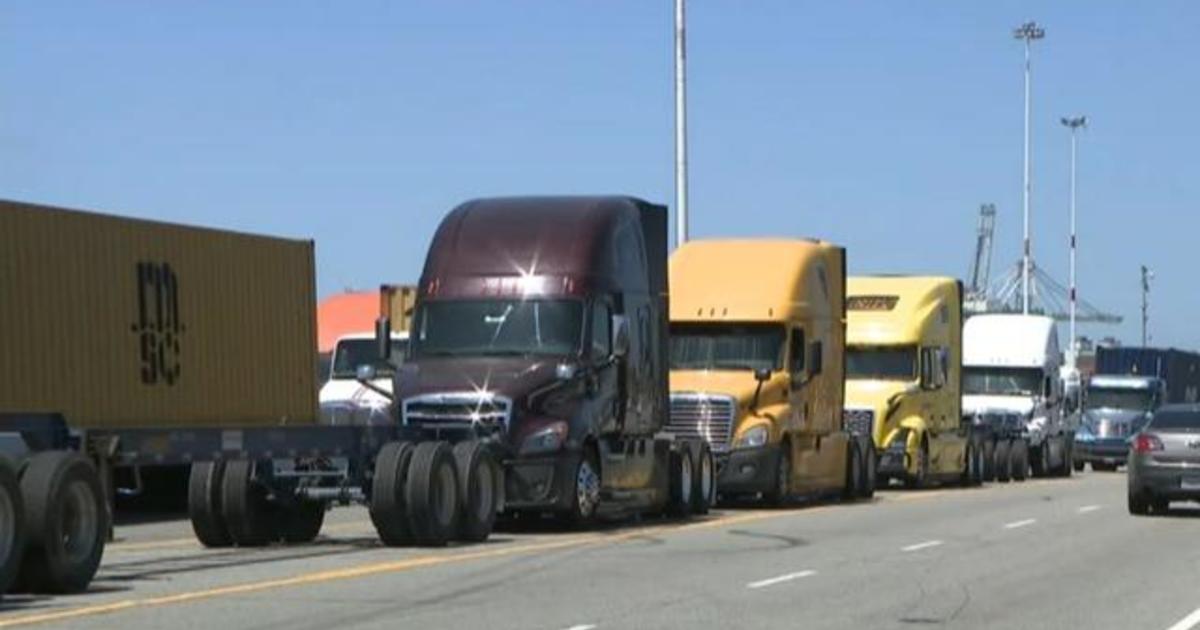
x,y
762,375
620,341
383,338
365,373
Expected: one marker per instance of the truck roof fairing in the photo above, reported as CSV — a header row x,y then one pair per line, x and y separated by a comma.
x,y
897,310
1010,340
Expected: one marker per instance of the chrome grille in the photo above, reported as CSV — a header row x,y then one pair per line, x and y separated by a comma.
x,y
1111,429
859,421
704,416
457,410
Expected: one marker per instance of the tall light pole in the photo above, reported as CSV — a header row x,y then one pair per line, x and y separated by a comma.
x,y
1147,276
681,180
1074,124
1028,31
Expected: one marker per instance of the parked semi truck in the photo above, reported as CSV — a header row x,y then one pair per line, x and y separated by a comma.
x,y
132,343
1013,393
1179,370
757,341
1116,407
540,327
904,378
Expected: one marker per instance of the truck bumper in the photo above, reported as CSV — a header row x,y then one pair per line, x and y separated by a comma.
x,y
1164,482
544,483
1107,451
746,471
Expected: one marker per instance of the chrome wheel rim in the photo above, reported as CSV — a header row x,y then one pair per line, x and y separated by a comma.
x,y
587,488
685,479
77,521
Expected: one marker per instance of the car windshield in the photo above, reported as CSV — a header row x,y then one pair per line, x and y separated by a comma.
x,y
999,381
881,363
351,353
727,346
499,328
1119,398
1176,420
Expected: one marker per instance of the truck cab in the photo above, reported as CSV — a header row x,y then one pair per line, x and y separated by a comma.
x,y
345,400
904,377
757,341
1115,408
1012,391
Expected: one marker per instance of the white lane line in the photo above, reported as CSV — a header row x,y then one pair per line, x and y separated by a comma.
x,y
1024,523
781,579
1088,508
1188,622
919,546
586,626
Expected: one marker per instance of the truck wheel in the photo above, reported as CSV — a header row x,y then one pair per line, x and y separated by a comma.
x,y
387,494
251,518
921,478
869,463
1078,466
1068,463
479,482
1139,503
431,494
204,504
1039,459
682,484
989,460
781,493
12,525
1001,462
301,521
704,478
854,472
586,498
1020,460
967,477
66,522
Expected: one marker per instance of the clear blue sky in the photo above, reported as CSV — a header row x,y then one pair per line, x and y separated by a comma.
x,y
880,125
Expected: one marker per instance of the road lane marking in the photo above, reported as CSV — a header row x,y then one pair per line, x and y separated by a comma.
x,y
781,579
363,527
1018,524
1088,508
929,544
1188,622
585,626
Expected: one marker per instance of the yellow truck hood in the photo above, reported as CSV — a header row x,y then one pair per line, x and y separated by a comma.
x,y
739,384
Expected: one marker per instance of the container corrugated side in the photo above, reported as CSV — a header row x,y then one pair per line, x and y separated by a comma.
x,y
118,322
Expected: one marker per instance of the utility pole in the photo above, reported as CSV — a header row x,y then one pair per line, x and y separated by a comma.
x,y
1028,32
1147,276
1074,124
681,180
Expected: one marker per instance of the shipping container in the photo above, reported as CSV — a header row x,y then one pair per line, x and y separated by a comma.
x,y
1178,368
396,302
118,322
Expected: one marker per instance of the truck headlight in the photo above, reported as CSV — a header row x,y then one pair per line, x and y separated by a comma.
x,y
753,437
545,440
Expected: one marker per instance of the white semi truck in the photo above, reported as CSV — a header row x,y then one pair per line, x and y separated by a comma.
x,y
1013,392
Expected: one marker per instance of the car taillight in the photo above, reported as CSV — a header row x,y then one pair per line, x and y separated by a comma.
x,y
1145,442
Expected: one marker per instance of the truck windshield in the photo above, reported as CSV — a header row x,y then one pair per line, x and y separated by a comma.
x,y
499,328
727,346
1119,398
881,363
351,353
997,381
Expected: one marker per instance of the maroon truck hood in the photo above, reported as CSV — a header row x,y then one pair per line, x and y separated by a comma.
x,y
512,377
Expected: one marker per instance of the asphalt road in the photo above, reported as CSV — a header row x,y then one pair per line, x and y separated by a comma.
x,y
1042,554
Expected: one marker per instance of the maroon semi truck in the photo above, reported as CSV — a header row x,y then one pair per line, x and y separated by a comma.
x,y
540,327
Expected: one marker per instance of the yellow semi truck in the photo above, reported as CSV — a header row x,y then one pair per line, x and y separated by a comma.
x,y
757,346
904,378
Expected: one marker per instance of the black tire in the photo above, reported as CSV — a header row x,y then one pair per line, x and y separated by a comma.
x,y
1039,460
586,497
989,460
1078,466
870,462
682,482
480,483
1139,502
1103,467
967,478
704,478
387,494
1020,460
921,478
1068,462
12,525
204,504
301,521
854,472
431,494
1159,506
252,520
66,523
1001,462
781,491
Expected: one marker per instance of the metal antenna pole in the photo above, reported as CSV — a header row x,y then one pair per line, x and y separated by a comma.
x,y
1074,124
1147,276
681,181
1028,31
